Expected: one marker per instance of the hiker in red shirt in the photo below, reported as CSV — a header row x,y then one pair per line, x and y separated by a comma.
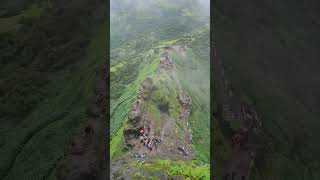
x,y
141,132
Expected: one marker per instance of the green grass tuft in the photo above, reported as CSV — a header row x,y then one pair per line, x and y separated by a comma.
x,y
171,169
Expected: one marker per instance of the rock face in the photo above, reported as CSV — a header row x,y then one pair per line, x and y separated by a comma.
x,y
135,117
152,130
140,117
185,102
166,61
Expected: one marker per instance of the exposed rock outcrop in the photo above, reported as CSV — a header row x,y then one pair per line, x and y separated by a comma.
x,y
135,117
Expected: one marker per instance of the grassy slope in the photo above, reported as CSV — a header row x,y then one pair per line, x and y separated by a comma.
x,y
45,99
171,169
8,24
135,33
167,168
200,73
120,108
269,49
31,150
194,75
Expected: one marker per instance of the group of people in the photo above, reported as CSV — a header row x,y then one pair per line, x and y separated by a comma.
x,y
148,142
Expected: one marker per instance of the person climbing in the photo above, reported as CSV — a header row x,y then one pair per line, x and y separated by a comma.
x,y
151,143
156,145
149,146
145,142
158,141
141,132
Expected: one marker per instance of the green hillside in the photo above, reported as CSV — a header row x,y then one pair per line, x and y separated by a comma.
x,y
139,35
48,71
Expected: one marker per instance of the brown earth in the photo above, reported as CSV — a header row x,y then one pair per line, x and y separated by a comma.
x,y
173,145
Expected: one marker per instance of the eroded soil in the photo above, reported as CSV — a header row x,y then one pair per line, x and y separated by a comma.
x,y
172,132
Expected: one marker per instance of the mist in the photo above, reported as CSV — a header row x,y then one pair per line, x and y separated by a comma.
x,y
158,7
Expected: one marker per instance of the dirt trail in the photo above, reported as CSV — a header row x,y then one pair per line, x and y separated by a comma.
x,y
170,142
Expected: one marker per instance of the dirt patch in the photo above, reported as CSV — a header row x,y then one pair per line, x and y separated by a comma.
x,y
136,118
151,136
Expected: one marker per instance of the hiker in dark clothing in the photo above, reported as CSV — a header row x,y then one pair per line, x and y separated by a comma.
x,y
145,142
156,143
150,145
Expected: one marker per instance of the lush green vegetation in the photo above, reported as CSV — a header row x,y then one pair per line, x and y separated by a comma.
x,y
120,108
139,30
170,169
193,71
13,23
270,54
137,36
48,70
